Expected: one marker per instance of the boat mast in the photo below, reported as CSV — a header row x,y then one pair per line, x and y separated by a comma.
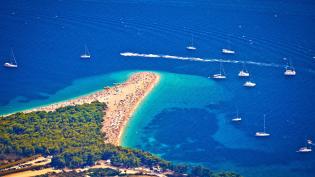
x,y
264,123
86,49
244,67
289,65
12,53
222,68
192,40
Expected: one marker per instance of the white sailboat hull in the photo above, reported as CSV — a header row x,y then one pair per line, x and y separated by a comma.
x,y
191,48
304,150
249,84
262,134
10,65
289,73
218,76
237,119
84,56
243,74
227,51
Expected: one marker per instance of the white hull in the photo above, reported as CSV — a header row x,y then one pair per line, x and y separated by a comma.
x,y
249,84
191,48
237,119
85,56
10,65
243,74
304,150
309,142
289,72
262,134
218,76
227,51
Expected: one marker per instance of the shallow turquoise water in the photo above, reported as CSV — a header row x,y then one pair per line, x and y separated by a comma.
x,y
77,88
187,120
173,91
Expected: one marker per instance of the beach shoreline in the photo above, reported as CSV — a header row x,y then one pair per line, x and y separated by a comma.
x,y
129,99
148,91
122,100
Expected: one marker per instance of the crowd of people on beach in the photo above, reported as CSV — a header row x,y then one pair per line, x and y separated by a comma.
x,y
124,104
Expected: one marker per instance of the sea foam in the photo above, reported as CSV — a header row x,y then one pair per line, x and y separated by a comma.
x,y
197,59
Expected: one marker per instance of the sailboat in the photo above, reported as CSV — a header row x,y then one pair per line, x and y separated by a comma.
x,y
243,72
306,148
86,54
12,63
289,70
249,84
191,46
221,75
228,51
263,133
237,118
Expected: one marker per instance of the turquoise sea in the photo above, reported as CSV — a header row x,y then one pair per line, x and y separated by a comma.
x,y
187,117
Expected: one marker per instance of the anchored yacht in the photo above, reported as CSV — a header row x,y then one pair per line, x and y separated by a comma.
x,y
289,70
191,46
249,84
12,63
220,75
86,54
243,72
228,51
237,118
263,133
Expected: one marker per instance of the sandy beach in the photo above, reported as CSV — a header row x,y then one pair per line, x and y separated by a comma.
x,y
122,100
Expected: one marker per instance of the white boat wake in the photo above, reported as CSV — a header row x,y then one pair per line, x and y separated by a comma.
x,y
131,54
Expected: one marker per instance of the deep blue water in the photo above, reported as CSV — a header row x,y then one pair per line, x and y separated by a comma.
x,y
48,36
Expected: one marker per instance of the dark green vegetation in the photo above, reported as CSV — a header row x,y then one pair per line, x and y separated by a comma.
x,y
97,172
72,135
101,172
